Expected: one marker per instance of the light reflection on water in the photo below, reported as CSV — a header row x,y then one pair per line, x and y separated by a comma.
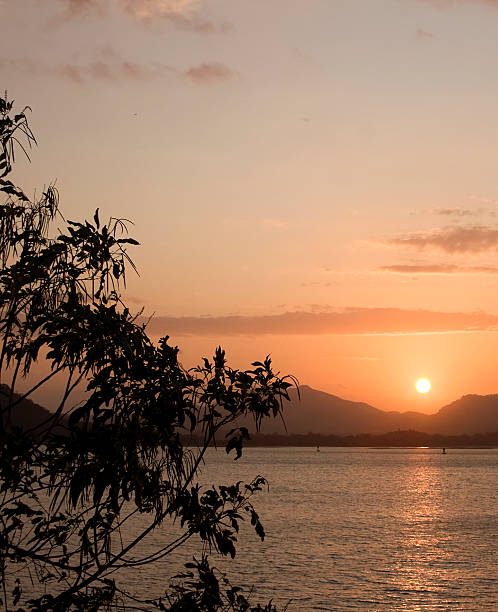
x,y
372,529
358,529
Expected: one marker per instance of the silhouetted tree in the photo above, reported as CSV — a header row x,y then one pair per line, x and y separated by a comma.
x,y
70,484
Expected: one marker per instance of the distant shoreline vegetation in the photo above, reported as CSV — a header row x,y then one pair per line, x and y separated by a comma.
x,y
397,439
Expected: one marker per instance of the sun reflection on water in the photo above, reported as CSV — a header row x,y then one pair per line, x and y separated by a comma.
x,y
363,529
423,560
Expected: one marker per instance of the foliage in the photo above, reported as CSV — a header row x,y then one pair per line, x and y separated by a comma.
x,y
70,484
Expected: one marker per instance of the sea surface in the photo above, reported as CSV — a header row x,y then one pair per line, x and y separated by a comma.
x,y
360,529
351,529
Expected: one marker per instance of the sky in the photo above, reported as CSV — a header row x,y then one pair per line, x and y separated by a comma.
x,y
310,179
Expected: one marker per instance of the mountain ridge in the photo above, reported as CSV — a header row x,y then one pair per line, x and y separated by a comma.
x,y
320,412
25,413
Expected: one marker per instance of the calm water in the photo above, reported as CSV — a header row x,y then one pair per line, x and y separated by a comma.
x,y
364,529
357,529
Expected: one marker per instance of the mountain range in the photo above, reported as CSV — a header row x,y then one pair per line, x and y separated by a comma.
x,y
312,411
320,412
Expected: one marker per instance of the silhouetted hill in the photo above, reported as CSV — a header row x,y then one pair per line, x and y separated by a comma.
x,y
25,414
323,413
320,412
469,414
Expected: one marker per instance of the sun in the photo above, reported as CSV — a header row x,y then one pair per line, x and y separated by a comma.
x,y
423,385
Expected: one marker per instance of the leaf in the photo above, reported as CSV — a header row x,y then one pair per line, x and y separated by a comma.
x,y
78,414
16,593
234,443
257,524
127,241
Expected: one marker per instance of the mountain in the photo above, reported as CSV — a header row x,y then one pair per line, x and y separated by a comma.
x,y
469,414
321,412
25,414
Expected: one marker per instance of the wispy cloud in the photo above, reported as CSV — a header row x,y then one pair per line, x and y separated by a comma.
x,y
422,34
484,200
100,69
475,239
456,3
114,69
463,212
318,284
350,321
438,269
77,8
454,212
19,65
143,9
181,13
140,9
200,26
206,74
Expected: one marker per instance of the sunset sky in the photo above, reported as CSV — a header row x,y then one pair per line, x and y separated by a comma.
x,y
314,179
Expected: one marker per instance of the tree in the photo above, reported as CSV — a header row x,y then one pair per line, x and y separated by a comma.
x,y
70,483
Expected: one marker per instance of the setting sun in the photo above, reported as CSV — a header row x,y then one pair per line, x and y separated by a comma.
x,y
423,385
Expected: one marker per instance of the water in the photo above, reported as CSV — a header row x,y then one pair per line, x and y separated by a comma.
x,y
355,529
363,529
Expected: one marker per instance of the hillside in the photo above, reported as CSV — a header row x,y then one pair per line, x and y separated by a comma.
x,y
25,414
321,412
469,414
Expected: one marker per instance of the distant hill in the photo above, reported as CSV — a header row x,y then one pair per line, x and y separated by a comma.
x,y
25,414
323,413
320,412
469,414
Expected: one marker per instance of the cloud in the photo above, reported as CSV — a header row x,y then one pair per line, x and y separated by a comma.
x,y
139,9
423,34
350,321
181,13
453,3
456,212
76,8
145,9
111,68
484,200
438,269
20,65
206,74
462,212
200,26
96,70
476,239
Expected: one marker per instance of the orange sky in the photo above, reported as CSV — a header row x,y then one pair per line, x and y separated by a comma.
x,y
315,180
